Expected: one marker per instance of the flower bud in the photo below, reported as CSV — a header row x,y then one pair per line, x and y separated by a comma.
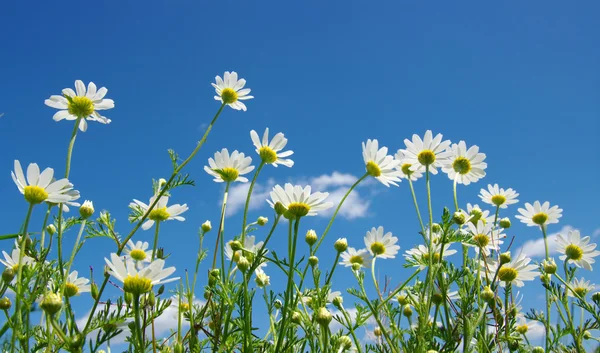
x,y
436,228
522,329
432,351
101,351
277,304
51,229
323,317
459,218
356,266
311,237
407,311
128,298
549,266
162,182
313,261
262,221
212,281
86,210
537,349
51,303
94,291
587,335
215,272
345,343
505,258
513,345
178,348
8,275
243,264
235,245
504,223
279,208
337,302
402,299
206,227
151,299
545,279
296,317
377,332
596,298
5,303
437,298
341,245
487,294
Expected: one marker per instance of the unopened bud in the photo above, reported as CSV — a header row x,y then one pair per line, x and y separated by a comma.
x,y
549,266
311,237
51,229
178,348
596,298
513,345
128,298
313,261
407,311
215,272
296,317
537,349
459,218
86,210
436,228
262,221
51,303
279,208
151,299
437,298
402,299
277,304
337,301
323,317
377,332
341,245
505,223
487,294
94,291
505,258
356,266
545,279
345,343
587,335
243,264
162,182
8,275
432,351
235,245
206,227
5,303
522,329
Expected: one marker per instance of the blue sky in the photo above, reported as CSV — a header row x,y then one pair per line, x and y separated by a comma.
x,y
519,79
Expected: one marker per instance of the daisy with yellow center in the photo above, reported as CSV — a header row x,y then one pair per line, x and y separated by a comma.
x,y
352,256
581,287
184,306
498,197
427,152
299,201
12,261
419,256
231,91
380,245
379,164
577,250
514,272
160,212
270,152
404,166
229,168
464,165
81,104
262,279
138,251
76,285
539,214
484,237
40,187
139,281
474,214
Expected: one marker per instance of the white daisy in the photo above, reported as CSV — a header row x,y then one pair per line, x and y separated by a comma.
x,y
231,91
84,104
229,168
39,187
299,201
270,152
577,250
498,197
379,164
352,256
74,196
138,251
514,272
539,214
381,245
465,165
160,212
262,280
475,214
12,261
404,167
431,151
139,281
581,287
76,285
185,304
485,237
250,250
419,256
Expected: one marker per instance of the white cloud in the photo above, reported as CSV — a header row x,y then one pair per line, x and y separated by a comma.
x,y
596,233
355,205
238,193
335,179
536,248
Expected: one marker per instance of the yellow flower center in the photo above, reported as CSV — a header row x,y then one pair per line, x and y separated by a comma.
x,y
481,240
228,95
228,174
35,194
507,274
138,255
436,257
426,157
406,169
378,248
267,154
81,107
522,329
159,214
184,307
357,259
71,289
574,252
137,285
373,169
298,209
540,218
580,291
461,165
476,215
498,200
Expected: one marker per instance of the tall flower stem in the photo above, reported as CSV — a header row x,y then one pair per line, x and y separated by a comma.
x,y
220,243
548,308
262,163
414,196
155,246
43,237
138,325
75,246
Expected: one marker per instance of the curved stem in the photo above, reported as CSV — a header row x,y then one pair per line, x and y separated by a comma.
x,y
262,163
155,246
42,240
138,326
220,240
73,254
414,196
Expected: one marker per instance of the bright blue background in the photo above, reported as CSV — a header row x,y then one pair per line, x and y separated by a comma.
x,y
519,79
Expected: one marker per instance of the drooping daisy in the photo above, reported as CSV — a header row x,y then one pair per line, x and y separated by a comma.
x,y
138,251
39,187
419,256
380,245
76,285
379,164
12,261
539,214
581,287
404,167
498,197
430,151
270,152
515,272
465,165
231,91
83,104
485,237
352,256
229,168
250,250
160,212
299,201
139,281
577,250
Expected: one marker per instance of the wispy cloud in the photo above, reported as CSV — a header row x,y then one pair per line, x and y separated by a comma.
x,y
238,193
536,248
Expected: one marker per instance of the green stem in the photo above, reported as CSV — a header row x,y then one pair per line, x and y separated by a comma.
x,y
262,163
220,240
547,292
155,246
138,326
335,262
74,252
455,193
71,145
414,196
42,240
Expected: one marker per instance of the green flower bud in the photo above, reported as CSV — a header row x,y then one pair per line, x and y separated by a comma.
x,y
504,223
356,266
313,261
311,237
549,266
323,317
587,335
51,303
487,294
8,275
51,229
436,228
178,348
407,311
513,345
345,343
341,245
279,208
262,221
243,264
459,218
402,299
596,298
235,245
277,304
215,272
296,317
337,302
537,349
5,303
545,279
206,227
377,332
505,258
86,210
151,299
437,298
128,298
94,291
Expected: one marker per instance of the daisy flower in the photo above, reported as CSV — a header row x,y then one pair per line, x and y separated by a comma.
x,y
430,151
12,261
74,196
485,237
379,164
229,168
419,256
539,214
498,197
352,256
299,201
515,272
39,187
475,214
83,104
404,167
160,212
184,307
381,245
138,251
76,285
250,250
231,91
577,250
139,281
270,152
581,287
464,165
262,280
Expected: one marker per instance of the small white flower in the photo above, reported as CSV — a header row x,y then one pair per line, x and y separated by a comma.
x,y
76,285
74,196
12,260
352,256
465,165
419,256
250,247
485,237
262,280
299,201
404,167
381,245
515,272
270,152
139,281
379,164
577,250
581,287
231,91
474,214
160,212
498,197
539,214
84,104
138,251
39,187
430,151
226,168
